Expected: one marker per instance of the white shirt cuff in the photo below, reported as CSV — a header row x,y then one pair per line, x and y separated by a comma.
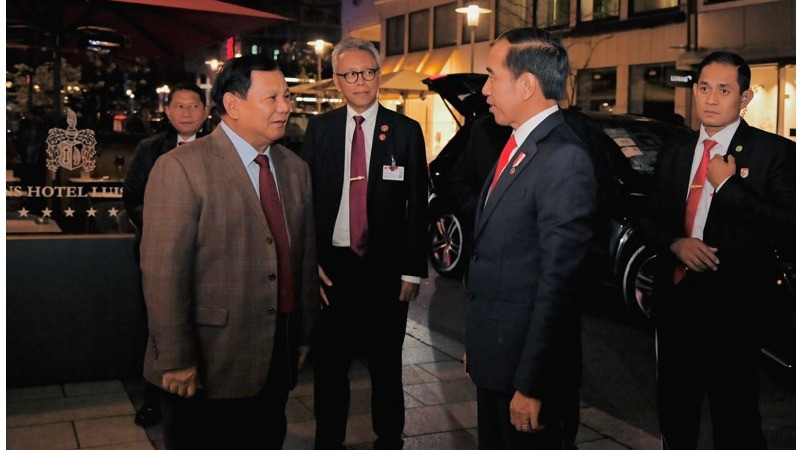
x,y
410,279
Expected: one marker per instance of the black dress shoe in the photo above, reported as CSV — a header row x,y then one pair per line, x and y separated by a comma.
x,y
147,416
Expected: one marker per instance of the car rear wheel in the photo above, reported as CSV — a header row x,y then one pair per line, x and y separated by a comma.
x,y
447,240
637,281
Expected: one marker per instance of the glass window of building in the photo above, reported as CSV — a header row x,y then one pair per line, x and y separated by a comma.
x,y
762,112
638,6
597,89
418,30
444,25
649,93
395,35
512,14
598,9
554,13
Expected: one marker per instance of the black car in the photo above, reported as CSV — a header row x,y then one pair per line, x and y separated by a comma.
x,y
625,149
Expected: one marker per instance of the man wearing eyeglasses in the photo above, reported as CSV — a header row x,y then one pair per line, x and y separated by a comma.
x,y
369,180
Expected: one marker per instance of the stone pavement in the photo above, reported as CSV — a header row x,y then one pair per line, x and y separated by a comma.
x,y
441,412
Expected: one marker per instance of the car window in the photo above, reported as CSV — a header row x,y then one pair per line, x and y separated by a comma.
x,y
640,142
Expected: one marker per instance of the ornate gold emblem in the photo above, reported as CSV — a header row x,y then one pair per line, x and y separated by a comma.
x,y
71,148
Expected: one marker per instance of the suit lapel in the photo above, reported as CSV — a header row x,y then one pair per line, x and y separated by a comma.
x,y
518,162
741,146
336,156
380,150
284,181
235,172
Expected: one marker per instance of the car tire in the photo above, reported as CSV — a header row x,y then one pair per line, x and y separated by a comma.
x,y
447,245
637,281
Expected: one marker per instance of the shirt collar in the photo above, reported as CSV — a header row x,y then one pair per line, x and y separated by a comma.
x,y
723,137
180,139
521,133
369,115
246,151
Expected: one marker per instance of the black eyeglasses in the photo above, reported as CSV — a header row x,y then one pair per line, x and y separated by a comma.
x,y
352,76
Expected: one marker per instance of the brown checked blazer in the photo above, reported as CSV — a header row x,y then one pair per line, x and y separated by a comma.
x,y
209,265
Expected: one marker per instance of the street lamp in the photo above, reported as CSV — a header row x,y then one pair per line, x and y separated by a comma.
x,y
319,49
473,13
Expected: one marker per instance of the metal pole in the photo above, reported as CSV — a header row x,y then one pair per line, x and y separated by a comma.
x,y
319,80
472,49
57,80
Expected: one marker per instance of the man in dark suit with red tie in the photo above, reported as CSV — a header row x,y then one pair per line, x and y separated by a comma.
x,y
533,228
370,206
723,201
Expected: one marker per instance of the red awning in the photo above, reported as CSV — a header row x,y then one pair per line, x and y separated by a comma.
x,y
153,28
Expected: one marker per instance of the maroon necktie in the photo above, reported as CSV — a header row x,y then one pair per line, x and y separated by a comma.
x,y
358,191
693,201
271,205
504,157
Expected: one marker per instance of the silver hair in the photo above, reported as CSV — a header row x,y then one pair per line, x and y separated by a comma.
x,y
353,43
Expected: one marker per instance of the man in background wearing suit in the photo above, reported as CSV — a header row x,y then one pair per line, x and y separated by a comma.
x,y
370,204
724,199
229,269
533,228
186,111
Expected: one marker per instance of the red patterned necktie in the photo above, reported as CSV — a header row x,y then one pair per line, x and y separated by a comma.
x,y
693,201
273,210
358,190
504,157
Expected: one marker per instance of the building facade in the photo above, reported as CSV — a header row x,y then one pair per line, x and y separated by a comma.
x,y
627,56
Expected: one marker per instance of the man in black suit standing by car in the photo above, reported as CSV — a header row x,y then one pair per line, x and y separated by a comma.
x,y
533,228
186,112
724,199
369,178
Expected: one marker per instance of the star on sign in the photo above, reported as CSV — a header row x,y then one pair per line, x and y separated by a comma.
x,y
23,212
113,212
91,212
69,212
46,212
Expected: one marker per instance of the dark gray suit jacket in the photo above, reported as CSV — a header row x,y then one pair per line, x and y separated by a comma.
x,y
531,239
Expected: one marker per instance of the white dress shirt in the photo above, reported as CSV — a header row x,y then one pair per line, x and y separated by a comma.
x,y
341,230
723,139
248,154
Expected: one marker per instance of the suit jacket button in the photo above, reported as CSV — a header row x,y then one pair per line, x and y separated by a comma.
x,y
474,257
471,297
271,311
272,277
269,240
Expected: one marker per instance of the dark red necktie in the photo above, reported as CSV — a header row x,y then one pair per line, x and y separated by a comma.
x,y
504,157
358,190
693,201
273,210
